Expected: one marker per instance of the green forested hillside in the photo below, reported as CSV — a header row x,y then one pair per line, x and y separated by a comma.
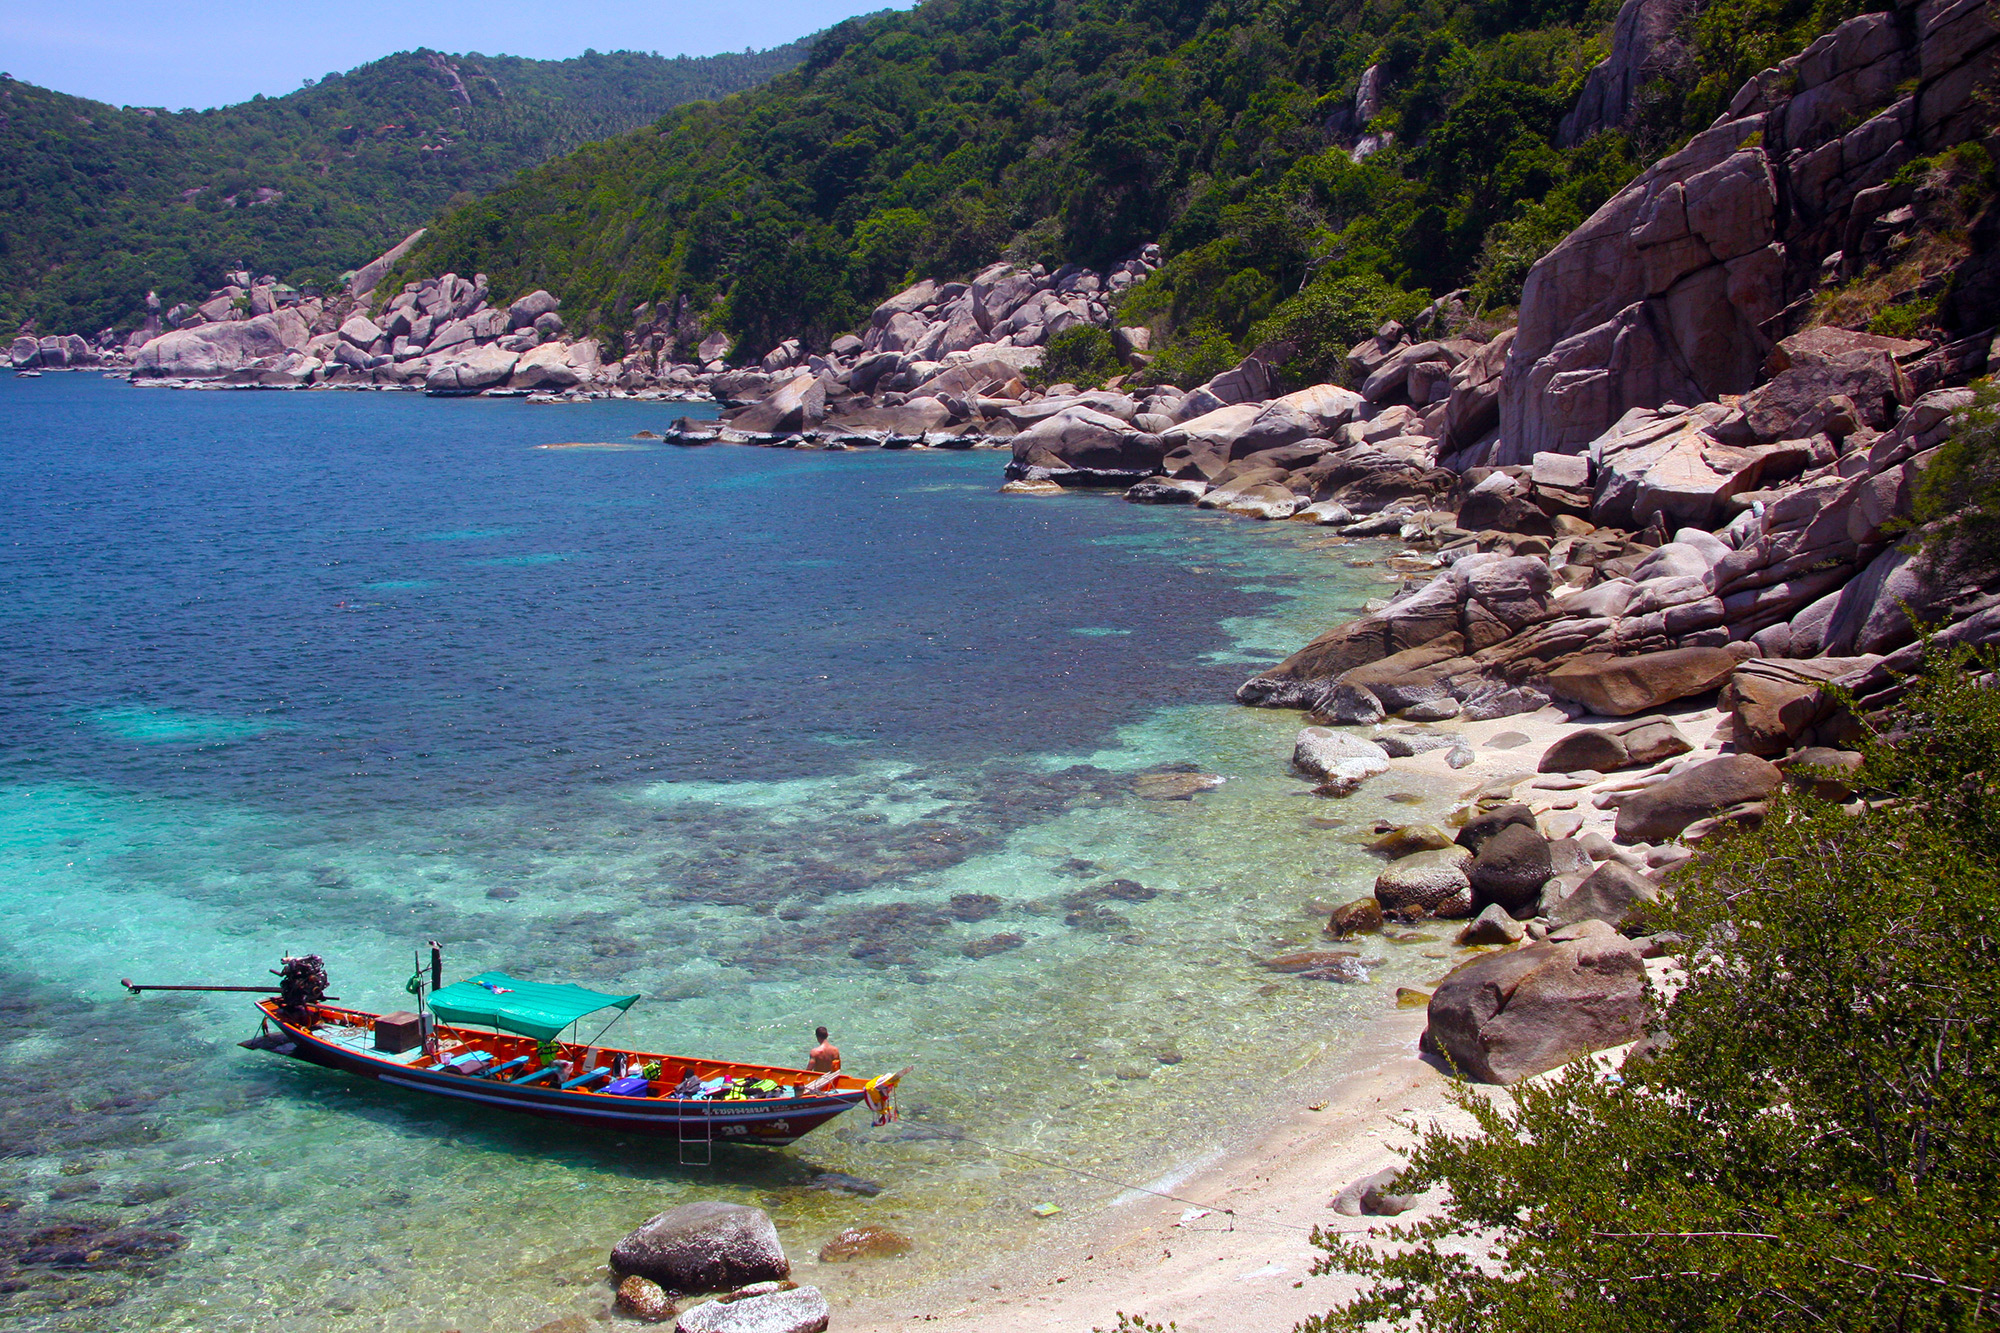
x,y
99,203
935,140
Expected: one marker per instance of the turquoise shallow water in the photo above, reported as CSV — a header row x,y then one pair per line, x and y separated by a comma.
x,y
774,738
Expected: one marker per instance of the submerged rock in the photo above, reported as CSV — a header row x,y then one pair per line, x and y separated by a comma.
x,y
1360,917
642,1298
868,1241
1174,786
797,1310
993,944
704,1246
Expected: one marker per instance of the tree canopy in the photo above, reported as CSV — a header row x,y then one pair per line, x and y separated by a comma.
x,y
100,203
931,142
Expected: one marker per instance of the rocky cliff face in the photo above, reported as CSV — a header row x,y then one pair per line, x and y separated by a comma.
x,y
1678,288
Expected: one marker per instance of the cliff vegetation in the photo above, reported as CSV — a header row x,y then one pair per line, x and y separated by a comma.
x,y
99,204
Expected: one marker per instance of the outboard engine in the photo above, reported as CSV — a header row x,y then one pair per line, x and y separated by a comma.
x,y
301,985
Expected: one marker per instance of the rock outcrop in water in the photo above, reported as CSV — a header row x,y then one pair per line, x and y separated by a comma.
x,y
698,1247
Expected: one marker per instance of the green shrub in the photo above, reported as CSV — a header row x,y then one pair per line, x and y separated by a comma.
x,y
1958,501
1329,317
1818,1143
1903,319
1192,356
1082,355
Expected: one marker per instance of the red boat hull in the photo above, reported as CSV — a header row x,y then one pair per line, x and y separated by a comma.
x,y
768,1122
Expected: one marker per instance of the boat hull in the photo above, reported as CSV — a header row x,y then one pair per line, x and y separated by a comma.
x,y
770,1123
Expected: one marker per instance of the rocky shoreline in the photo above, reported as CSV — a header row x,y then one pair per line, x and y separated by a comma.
x,y
1654,535
1665,516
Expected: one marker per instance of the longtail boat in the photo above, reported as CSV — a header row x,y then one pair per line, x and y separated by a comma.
x,y
521,1064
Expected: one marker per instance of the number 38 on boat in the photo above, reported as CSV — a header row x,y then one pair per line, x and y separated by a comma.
x,y
497,1041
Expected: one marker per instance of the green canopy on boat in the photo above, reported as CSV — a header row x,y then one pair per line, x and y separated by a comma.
x,y
531,1008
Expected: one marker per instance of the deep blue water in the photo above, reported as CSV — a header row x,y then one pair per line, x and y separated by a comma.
x,y
410,615
771,737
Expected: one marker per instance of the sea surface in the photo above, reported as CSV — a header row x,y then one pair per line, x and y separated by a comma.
x,y
773,738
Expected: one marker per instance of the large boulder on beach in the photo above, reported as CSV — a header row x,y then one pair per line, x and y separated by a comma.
x,y
1511,867
478,368
1605,749
544,367
1429,883
797,404
792,1310
1667,807
1338,758
1591,748
1084,442
218,349
1488,824
704,1247
1613,893
1509,1016
1618,686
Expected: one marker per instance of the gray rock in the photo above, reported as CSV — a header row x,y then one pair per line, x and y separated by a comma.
x,y
523,313
1374,1196
545,367
218,349
1460,756
1433,710
453,334
1409,741
479,368
795,405
361,331
1482,827
1351,706
798,1310
1162,492
369,274
1590,748
1613,85
1336,756
1426,884
1617,686
1650,740
704,1247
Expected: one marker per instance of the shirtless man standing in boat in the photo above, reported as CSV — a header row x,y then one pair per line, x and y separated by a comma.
x,y
825,1057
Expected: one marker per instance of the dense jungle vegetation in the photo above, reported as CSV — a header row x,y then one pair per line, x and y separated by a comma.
x,y
99,203
933,141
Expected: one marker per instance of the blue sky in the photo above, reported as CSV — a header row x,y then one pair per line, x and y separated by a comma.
x,y
219,51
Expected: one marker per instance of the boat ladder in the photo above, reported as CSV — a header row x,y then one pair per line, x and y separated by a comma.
x,y
697,1141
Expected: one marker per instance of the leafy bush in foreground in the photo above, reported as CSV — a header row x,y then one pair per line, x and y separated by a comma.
x,y
1819,1144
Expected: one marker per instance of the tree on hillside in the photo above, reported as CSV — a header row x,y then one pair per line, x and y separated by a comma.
x,y
1818,1143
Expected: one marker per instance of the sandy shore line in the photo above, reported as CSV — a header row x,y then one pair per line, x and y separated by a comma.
x,y
1247,1267
1250,1267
